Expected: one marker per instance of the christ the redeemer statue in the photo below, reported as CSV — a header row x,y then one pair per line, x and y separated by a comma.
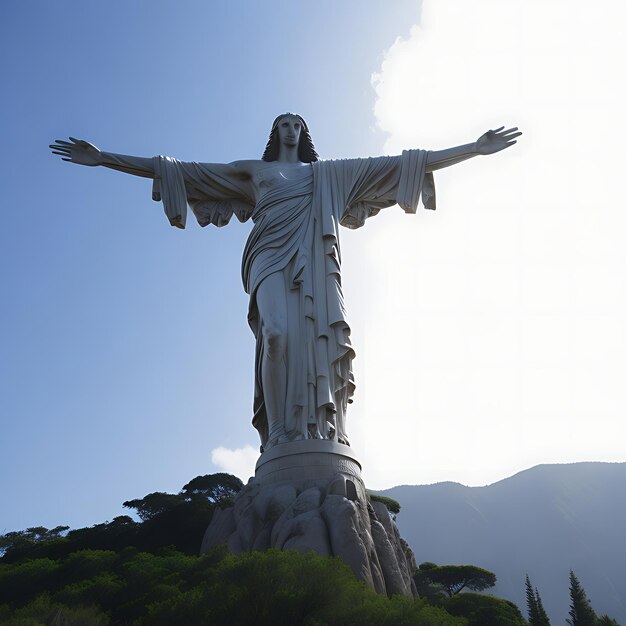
x,y
291,265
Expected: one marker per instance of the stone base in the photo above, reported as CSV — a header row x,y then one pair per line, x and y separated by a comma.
x,y
309,495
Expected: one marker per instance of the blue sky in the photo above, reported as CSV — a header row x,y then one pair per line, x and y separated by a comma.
x,y
489,335
126,351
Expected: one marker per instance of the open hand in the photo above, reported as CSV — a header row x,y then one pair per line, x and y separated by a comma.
x,y
79,151
496,140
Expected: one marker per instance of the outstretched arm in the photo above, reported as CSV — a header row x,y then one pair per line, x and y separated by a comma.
x,y
85,153
489,143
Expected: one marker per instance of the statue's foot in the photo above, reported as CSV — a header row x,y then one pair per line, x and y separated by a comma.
x,y
275,440
290,438
283,438
314,432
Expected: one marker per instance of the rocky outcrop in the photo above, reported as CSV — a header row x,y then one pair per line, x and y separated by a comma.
x,y
333,517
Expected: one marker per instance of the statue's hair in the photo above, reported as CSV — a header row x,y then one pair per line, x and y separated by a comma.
x,y
306,149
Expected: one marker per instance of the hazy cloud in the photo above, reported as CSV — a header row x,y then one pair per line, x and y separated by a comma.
x,y
239,461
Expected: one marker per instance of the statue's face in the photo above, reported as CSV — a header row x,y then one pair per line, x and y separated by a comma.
x,y
289,129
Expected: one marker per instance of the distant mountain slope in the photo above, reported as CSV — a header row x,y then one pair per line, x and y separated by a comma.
x,y
542,521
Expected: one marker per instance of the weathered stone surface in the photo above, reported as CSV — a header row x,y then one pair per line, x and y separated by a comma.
x,y
234,543
351,539
273,500
394,581
222,527
383,516
305,532
262,541
409,556
398,545
308,500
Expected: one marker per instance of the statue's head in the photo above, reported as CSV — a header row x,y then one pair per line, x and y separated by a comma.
x,y
306,149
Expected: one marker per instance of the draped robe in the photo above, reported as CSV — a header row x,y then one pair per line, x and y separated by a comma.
x,y
295,233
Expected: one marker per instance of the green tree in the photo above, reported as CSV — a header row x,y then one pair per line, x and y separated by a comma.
x,y
24,540
425,586
484,610
537,615
531,604
43,610
605,620
219,488
581,613
20,581
154,504
454,578
393,506
544,620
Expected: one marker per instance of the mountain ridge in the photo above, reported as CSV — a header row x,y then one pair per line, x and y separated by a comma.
x,y
542,521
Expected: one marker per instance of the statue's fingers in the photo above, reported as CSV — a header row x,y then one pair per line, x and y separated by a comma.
x,y
512,135
497,130
65,154
511,143
68,160
63,143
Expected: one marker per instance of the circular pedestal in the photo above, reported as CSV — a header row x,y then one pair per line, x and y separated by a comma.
x,y
308,460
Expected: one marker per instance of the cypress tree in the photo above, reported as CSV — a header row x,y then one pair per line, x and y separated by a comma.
x,y
537,615
541,612
531,603
580,612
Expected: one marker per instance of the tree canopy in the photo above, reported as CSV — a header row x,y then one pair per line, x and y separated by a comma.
x,y
219,488
453,579
484,610
25,539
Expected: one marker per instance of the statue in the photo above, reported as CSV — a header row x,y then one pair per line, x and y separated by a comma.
x,y
291,264
307,492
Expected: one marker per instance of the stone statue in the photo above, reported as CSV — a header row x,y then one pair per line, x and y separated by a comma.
x,y
291,264
307,492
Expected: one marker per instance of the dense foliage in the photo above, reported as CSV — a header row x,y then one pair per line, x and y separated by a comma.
x,y
484,610
102,587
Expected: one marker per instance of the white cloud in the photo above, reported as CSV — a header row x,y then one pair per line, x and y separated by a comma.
x,y
240,461
487,331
